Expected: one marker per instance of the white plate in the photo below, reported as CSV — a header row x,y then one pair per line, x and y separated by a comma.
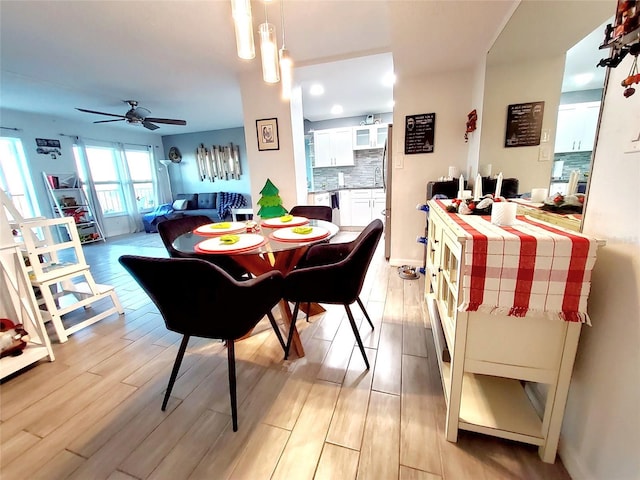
x,y
248,241
209,230
288,235
277,223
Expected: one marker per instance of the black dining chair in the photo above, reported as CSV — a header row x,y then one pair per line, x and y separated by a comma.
x,y
197,298
171,229
317,212
333,273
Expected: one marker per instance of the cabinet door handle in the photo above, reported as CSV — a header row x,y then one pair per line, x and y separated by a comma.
x,y
436,241
574,145
579,143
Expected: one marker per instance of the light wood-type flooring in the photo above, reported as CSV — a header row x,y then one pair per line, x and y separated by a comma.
x,y
94,413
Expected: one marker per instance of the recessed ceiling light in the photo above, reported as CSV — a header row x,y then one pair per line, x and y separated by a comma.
x,y
582,78
316,89
389,79
337,109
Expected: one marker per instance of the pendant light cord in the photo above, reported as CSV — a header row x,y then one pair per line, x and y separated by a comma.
x,y
282,21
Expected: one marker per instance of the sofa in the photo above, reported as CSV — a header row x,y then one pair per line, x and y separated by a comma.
x,y
216,205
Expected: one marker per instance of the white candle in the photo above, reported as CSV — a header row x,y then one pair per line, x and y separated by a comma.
x,y
573,183
460,186
498,186
477,188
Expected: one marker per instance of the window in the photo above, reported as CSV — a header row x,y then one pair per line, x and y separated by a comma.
x,y
104,173
113,179
139,163
15,178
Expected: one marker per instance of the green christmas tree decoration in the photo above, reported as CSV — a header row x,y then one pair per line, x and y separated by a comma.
x,y
270,202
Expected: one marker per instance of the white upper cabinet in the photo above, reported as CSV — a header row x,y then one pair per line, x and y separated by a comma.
x,y
577,125
333,147
369,136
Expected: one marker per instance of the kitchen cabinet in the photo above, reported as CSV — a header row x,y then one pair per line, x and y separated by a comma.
x,y
361,206
333,147
576,129
322,198
487,359
369,136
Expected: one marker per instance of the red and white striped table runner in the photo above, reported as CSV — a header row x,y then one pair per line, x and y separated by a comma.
x,y
528,269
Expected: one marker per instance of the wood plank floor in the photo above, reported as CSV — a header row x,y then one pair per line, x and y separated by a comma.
x,y
95,413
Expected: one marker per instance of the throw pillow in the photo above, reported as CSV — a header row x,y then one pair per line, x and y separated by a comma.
x,y
180,204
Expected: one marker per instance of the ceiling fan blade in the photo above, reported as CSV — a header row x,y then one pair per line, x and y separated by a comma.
x,y
107,121
100,113
149,125
168,121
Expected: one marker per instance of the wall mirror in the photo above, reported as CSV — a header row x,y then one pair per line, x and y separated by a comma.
x,y
543,51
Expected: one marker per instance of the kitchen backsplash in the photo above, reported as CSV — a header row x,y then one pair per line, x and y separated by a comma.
x,y
362,174
571,161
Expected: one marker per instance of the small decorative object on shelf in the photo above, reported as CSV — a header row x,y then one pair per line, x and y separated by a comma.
x,y
564,203
13,338
423,240
472,118
422,206
624,38
476,207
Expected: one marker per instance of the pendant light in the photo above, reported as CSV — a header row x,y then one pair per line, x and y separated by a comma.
x,y
243,22
286,63
269,50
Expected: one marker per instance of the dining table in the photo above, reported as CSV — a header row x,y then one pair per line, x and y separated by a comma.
x,y
263,246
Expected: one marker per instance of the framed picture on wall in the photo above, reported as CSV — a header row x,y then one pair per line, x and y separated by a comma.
x,y
267,130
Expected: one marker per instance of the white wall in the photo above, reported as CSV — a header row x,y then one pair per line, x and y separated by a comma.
x,y
449,96
601,430
39,126
506,84
260,101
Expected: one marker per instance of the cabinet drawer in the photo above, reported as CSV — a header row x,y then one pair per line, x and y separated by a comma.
x,y
500,342
362,193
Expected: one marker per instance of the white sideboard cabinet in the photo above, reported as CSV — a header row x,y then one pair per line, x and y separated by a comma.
x,y
490,362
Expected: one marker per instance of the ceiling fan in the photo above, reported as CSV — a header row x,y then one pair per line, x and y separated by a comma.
x,y
136,116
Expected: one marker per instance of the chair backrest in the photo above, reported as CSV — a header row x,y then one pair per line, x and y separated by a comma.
x,y
339,276
318,212
198,298
171,229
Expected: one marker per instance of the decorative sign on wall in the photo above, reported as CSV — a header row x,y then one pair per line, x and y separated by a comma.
x,y
221,162
419,133
48,146
524,124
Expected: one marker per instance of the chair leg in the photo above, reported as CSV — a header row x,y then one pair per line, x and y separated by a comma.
x,y
276,330
354,327
176,368
231,357
291,329
366,315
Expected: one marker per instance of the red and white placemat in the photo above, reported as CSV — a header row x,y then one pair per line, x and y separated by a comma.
x,y
530,268
288,235
277,223
246,242
221,228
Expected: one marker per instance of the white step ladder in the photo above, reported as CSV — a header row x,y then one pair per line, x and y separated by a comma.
x,y
59,270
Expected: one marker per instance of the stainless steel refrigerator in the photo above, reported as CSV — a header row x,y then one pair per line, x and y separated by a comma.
x,y
387,167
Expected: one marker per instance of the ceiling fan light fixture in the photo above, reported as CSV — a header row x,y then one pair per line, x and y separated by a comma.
x,y
269,53
243,22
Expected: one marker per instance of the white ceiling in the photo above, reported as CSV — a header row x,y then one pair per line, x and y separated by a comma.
x,y
178,58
